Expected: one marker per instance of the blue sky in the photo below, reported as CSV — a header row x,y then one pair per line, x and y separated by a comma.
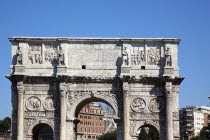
x,y
188,20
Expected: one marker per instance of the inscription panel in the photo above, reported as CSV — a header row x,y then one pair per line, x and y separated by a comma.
x,y
94,54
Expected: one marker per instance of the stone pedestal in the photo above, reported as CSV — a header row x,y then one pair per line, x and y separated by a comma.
x,y
61,69
19,69
168,71
125,70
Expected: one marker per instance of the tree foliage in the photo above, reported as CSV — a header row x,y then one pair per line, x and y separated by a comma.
x,y
202,136
108,136
5,125
152,135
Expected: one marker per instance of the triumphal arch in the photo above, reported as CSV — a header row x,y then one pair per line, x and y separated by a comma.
x,y
53,78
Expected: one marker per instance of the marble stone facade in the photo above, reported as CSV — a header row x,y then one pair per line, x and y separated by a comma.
x,y
53,78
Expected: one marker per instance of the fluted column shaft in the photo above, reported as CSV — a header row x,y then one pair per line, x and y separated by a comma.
x,y
20,119
62,111
126,110
169,106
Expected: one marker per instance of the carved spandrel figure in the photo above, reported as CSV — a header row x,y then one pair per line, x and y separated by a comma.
x,y
61,57
126,56
168,61
19,57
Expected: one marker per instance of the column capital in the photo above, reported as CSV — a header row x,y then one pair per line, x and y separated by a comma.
x,y
168,89
20,88
62,86
125,88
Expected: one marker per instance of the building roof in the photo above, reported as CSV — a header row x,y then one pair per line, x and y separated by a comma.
x,y
16,39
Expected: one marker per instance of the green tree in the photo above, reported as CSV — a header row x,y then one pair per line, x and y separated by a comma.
x,y
5,125
108,136
143,134
202,135
152,135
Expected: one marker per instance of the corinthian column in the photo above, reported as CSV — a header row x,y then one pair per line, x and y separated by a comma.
x,y
20,118
62,87
169,107
126,110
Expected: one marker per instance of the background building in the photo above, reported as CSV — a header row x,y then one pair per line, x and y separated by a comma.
x,y
91,124
193,120
109,124
187,122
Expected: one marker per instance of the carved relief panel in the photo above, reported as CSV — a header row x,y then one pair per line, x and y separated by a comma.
x,y
50,53
153,55
138,55
35,54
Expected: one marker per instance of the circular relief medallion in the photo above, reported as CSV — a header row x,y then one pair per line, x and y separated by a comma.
x,y
49,103
33,103
138,104
156,105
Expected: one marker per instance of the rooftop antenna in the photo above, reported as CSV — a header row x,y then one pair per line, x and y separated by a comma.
x,y
209,100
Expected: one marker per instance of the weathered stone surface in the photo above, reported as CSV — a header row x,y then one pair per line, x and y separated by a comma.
x,y
53,78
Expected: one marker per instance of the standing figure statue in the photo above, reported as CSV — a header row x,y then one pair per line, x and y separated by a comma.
x,y
126,56
19,56
142,55
60,58
168,61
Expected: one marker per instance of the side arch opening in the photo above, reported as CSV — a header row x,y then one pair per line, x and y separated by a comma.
x,y
42,131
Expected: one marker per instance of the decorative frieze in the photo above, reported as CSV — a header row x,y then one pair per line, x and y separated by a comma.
x,y
138,115
35,114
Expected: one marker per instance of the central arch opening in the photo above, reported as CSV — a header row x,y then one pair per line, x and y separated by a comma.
x,y
148,132
42,131
95,120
